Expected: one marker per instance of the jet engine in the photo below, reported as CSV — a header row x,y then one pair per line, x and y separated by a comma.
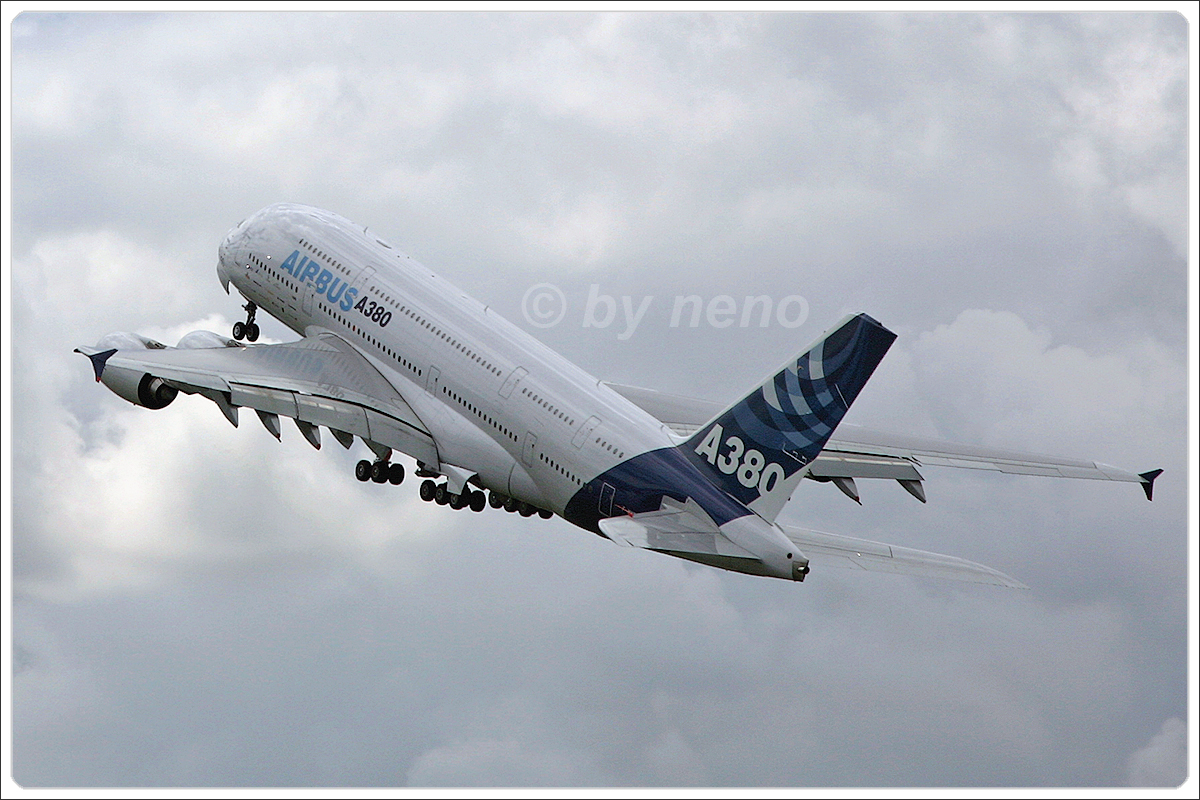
x,y
139,388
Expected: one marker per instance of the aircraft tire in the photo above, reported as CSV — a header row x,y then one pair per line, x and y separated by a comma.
x,y
440,495
478,501
544,514
396,474
379,472
428,489
495,499
526,510
239,331
362,470
252,332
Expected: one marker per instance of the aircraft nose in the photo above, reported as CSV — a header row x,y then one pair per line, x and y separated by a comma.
x,y
227,256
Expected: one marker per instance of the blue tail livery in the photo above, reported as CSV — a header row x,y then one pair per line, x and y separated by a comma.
x,y
758,449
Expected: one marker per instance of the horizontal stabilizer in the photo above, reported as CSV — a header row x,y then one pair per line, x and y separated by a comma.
x,y
832,550
680,529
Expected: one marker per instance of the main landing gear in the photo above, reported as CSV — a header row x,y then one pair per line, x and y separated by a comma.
x,y
247,330
477,500
379,472
433,491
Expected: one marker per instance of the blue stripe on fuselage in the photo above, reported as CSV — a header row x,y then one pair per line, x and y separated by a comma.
x,y
640,484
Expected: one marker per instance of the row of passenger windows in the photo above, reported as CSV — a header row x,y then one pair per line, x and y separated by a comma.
x,y
566,473
610,448
547,405
318,252
274,273
468,352
399,358
479,413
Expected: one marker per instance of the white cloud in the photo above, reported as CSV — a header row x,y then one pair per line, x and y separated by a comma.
x,y
991,378
1163,761
489,762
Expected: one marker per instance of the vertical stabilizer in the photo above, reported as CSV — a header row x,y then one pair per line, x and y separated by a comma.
x,y
758,449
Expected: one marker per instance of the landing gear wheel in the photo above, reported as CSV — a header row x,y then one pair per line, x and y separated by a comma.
x,y
457,501
478,501
428,488
396,474
527,510
379,472
440,495
247,329
511,504
495,499
362,470
544,514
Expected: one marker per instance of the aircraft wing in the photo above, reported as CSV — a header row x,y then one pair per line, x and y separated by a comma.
x,y
857,452
318,380
832,550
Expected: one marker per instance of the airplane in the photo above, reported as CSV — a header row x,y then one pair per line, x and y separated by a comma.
x,y
398,357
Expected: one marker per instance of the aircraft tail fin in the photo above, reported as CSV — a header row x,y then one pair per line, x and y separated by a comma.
x,y
759,448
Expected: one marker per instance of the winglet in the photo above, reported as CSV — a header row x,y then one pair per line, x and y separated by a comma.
x,y
1148,482
98,360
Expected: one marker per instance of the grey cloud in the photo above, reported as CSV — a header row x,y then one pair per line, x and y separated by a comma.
x,y
199,605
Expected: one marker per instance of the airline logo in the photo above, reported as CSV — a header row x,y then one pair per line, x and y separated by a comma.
x,y
307,271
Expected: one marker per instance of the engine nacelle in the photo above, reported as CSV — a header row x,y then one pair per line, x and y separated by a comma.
x,y
124,340
139,388
197,340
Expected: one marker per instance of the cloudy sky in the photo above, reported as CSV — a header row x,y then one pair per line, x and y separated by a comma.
x,y
198,605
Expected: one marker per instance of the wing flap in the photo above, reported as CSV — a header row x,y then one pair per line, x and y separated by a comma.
x,y
846,552
834,464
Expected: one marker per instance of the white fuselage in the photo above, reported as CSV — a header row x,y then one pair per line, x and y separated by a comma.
x,y
497,401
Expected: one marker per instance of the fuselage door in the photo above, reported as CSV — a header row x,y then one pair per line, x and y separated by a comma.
x,y
361,279
511,382
585,430
528,448
607,494
433,380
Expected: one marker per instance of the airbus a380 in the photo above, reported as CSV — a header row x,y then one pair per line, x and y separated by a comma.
x,y
400,358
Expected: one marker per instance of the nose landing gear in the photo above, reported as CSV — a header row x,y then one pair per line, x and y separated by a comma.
x,y
247,330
